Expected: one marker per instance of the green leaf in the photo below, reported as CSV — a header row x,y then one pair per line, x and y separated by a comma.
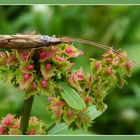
x,y
58,129
72,97
94,113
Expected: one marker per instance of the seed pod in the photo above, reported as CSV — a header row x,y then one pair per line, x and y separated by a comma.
x,y
80,75
34,86
44,83
43,55
60,59
59,103
2,130
87,99
69,112
109,71
97,65
69,50
128,66
24,55
30,67
86,119
26,77
32,132
72,78
15,126
58,112
48,66
8,120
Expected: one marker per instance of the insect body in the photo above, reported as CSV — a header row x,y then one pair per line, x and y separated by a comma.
x,y
29,41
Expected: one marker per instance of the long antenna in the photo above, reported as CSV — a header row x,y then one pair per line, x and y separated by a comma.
x,y
91,43
103,47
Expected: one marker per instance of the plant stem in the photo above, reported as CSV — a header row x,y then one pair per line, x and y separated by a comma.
x,y
28,102
26,114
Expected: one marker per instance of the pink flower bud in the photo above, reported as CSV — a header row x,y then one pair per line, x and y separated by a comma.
x,y
69,112
8,120
128,66
32,132
30,67
24,55
97,65
72,77
80,75
69,50
109,70
58,112
60,59
50,98
2,130
34,86
44,83
48,66
43,55
115,61
26,77
87,99
59,103
15,126
86,119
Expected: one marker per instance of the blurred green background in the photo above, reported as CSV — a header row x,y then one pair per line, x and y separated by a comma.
x,y
117,26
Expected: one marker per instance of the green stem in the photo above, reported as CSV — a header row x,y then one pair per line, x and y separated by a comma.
x,y
26,114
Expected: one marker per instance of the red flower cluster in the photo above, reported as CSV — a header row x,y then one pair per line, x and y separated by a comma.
x,y
10,125
40,71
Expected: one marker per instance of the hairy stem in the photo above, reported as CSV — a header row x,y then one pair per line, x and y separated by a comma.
x,y
26,114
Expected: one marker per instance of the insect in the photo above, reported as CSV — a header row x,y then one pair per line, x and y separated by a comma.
x,y
20,41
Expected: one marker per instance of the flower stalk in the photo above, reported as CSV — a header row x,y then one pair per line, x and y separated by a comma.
x,y
26,114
